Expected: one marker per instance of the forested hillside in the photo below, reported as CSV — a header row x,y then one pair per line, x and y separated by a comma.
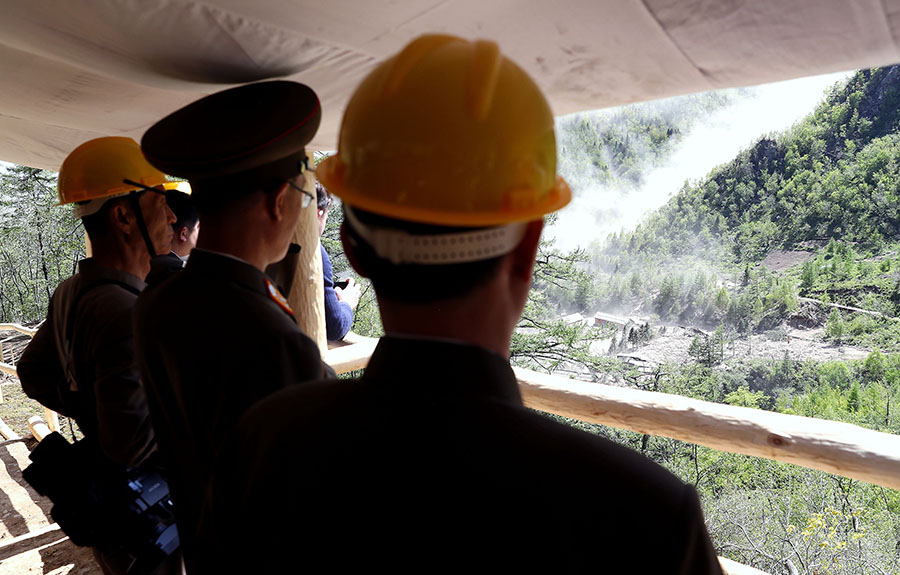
x,y
792,246
834,175
40,244
827,187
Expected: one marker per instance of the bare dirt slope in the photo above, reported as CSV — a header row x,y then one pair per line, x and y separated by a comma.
x,y
780,260
797,344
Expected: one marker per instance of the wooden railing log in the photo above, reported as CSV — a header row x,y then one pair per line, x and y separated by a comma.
x,y
831,446
734,568
19,328
7,432
38,428
8,369
346,358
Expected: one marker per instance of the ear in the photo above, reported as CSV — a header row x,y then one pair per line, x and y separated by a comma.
x,y
121,217
523,255
183,234
350,252
276,202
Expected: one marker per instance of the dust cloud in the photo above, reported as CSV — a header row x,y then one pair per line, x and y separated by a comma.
x,y
596,211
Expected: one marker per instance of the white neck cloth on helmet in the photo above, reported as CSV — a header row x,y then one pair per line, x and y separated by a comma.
x,y
403,248
90,207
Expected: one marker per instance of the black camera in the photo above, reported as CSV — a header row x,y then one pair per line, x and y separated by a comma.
x,y
100,504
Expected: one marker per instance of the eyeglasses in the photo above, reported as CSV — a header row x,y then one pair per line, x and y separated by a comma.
x,y
307,197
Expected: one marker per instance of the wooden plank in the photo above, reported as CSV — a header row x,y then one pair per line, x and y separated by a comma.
x,y
7,432
830,446
53,528
349,357
734,568
9,369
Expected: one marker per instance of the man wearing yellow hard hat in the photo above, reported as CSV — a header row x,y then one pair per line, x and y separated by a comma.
x,y
429,461
81,362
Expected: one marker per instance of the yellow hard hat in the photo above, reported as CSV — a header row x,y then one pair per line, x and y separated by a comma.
x,y
448,132
98,169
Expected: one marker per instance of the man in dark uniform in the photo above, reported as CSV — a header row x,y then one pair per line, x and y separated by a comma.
x,y
430,462
81,362
243,152
186,228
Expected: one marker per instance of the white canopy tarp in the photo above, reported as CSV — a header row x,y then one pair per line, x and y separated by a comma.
x,y
71,70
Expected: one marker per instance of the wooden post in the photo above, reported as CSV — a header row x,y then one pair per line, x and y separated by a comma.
x,y
307,296
38,428
52,419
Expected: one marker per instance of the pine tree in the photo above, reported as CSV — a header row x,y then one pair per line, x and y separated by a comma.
x,y
722,299
809,276
853,398
834,327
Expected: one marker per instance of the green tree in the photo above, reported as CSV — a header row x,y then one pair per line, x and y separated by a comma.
x,y
834,326
722,299
744,397
809,276
543,341
853,398
707,350
40,242
875,367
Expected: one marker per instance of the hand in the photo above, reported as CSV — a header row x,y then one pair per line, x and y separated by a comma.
x,y
349,294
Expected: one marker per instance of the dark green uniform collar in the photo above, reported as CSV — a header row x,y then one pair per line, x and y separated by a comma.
x,y
228,268
91,271
441,369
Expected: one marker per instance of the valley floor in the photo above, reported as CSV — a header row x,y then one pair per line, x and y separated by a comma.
x,y
798,344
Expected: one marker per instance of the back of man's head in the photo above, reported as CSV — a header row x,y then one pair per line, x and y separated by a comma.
x,y
184,209
323,198
446,151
